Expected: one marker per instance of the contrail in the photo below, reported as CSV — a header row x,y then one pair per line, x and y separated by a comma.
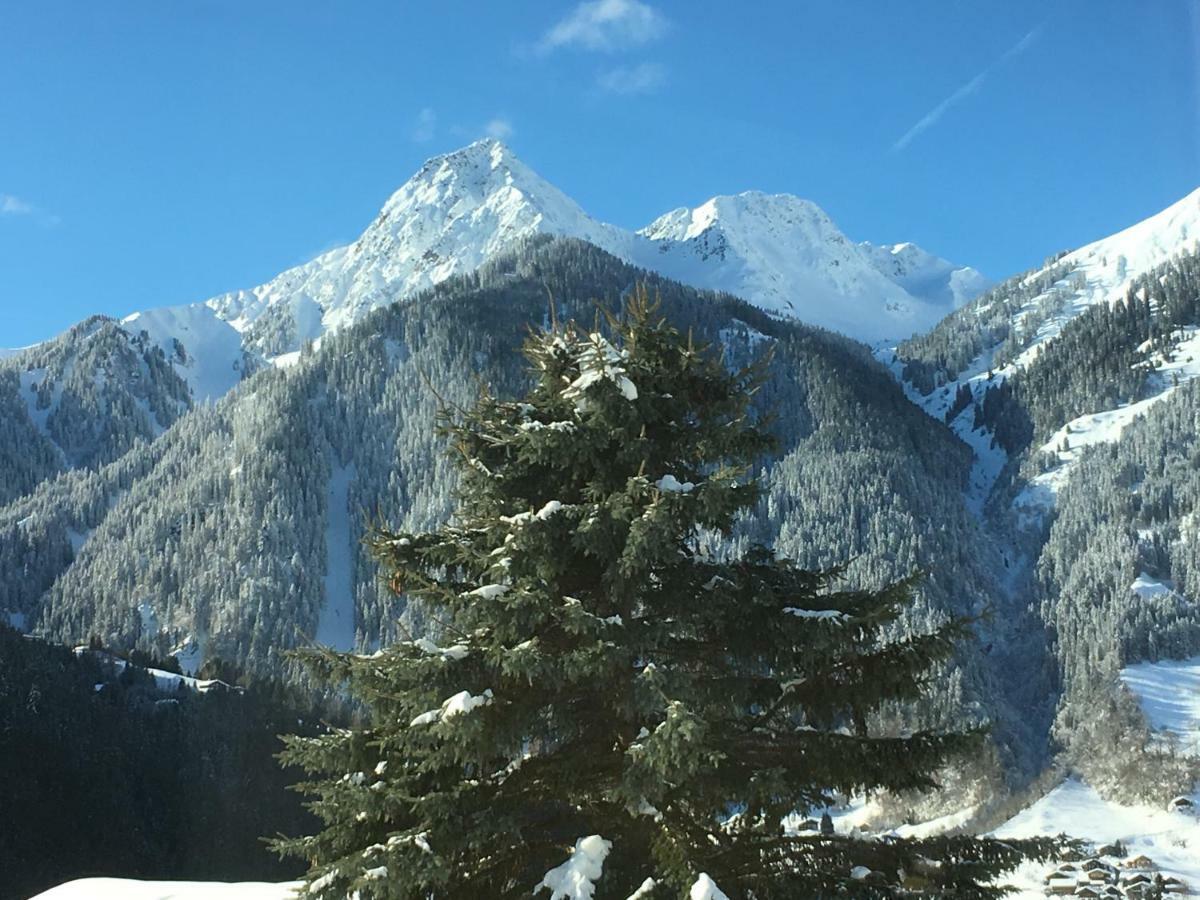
x,y
930,118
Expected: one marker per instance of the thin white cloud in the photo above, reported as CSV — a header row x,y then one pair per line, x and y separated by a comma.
x,y
932,117
15,206
499,128
425,127
606,25
640,79
11,205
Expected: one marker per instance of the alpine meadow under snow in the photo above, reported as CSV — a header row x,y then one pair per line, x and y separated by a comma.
x,y
191,493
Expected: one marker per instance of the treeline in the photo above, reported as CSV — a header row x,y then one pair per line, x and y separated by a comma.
x,y
102,774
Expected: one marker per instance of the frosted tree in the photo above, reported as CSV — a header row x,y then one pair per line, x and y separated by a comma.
x,y
608,710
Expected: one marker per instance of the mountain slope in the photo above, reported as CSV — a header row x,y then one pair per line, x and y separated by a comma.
x,y
927,277
458,211
203,349
244,519
82,399
1012,333
1077,386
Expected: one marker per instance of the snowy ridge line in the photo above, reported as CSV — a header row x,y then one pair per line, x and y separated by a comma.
x,y
779,252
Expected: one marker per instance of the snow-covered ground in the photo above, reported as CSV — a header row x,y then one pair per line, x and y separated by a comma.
x,y
190,653
335,627
1170,839
41,416
1041,493
1176,367
1150,588
785,255
1168,692
77,539
1102,273
125,889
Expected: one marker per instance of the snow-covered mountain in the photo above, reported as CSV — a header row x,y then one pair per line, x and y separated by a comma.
x,y
780,252
457,212
927,277
205,349
787,256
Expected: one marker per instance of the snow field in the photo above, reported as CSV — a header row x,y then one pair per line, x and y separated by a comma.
x,y
1168,692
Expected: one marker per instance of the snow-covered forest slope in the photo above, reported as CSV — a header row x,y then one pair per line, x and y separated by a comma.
x,y
222,534
1075,386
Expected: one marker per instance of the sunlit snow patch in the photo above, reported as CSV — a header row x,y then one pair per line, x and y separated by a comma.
x,y
211,359
1168,692
126,889
706,889
459,704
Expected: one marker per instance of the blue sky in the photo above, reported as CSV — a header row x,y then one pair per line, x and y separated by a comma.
x,y
161,151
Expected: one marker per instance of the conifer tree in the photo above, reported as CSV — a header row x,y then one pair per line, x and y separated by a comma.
x,y
609,708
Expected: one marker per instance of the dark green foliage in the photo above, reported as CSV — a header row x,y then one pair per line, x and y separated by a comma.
x,y
1005,416
26,457
962,399
126,781
603,672
1138,515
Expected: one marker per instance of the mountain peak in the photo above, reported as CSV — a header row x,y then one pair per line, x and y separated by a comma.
x,y
926,275
476,159
684,223
473,173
